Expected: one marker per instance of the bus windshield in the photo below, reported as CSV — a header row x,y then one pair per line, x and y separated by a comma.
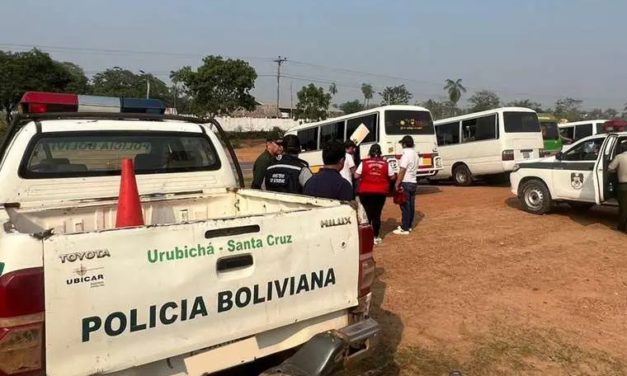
x,y
549,131
516,122
400,122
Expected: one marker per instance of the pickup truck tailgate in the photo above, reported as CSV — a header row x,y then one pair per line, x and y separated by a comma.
x,y
125,297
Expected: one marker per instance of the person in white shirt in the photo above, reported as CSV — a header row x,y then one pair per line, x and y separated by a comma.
x,y
349,163
619,165
407,181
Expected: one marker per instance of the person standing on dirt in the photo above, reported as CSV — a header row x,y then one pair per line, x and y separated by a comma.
x,y
374,177
407,181
349,162
290,173
273,150
619,164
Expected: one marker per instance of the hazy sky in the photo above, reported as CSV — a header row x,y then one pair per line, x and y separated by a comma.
x,y
538,49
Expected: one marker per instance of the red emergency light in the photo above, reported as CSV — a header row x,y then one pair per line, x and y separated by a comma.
x,y
43,102
615,125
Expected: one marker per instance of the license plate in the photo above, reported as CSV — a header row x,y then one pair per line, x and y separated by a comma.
x,y
426,161
526,154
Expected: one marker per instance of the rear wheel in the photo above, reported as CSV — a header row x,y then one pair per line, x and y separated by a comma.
x,y
535,197
462,175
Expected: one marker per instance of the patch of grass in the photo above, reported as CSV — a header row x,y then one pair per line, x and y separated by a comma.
x,y
499,351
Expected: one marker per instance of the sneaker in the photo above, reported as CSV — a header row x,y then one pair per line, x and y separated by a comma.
x,y
400,231
400,228
377,240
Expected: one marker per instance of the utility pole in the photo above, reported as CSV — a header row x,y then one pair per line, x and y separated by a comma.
x,y
291,101
279,61
147,83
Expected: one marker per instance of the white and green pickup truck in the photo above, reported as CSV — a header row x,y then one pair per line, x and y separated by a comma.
x,y
218,276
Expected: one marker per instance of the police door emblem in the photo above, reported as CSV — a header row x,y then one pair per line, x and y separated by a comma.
x,y
576,180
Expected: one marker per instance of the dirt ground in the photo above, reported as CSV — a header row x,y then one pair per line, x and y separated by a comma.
x,y
484,288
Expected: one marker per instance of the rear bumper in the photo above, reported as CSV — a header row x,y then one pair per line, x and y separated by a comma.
x,y
331,351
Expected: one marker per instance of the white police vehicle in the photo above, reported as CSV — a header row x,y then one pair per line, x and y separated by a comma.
x,y
218,276
578,176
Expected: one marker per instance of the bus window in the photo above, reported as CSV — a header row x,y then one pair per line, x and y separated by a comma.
x,y
329,132
600,128
447,134
483,128
516,122
400,122
370,121
549,131
583,130
567,132
308,139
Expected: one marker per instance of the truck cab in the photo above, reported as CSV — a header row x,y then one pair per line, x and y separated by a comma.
x,y
578,176
216,276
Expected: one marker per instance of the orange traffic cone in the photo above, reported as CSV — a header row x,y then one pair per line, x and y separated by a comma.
x,y
129,207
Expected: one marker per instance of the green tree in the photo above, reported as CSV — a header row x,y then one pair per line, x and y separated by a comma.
x,y
395,95
484,100
455,89
440,109
526,103
79,83
368,92
333,89
28,71
219,86
351,107
568,108
118,82
313,103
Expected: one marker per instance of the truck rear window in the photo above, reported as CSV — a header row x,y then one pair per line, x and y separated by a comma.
x,y
78,154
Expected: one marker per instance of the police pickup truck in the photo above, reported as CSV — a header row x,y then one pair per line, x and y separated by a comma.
x,y
218,276
578,175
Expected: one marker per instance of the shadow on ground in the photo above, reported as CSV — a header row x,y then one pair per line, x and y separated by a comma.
x,y
604,215
383,362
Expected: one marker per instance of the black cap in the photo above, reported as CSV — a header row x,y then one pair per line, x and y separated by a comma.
x,y
274,136
291,144
407,141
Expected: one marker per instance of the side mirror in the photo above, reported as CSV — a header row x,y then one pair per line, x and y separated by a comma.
x,y
559,155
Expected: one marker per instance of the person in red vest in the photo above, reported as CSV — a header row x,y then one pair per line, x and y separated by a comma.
x,y
374,177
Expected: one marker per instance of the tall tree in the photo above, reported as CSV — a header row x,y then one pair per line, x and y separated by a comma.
x,y
333,89
395,95
24,71
219,86
455,89
313,103
527,103
368,92
118,82
440,109
484,100
79,83
351,107
568,108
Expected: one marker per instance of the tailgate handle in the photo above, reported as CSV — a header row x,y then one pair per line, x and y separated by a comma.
x,y
235,262
232,231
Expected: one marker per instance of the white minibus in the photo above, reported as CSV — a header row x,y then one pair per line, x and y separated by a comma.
x,y
570,132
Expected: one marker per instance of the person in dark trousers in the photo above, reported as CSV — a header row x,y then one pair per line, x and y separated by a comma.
x,y
328,183
273,150
407,180
374,177
290,173
619,164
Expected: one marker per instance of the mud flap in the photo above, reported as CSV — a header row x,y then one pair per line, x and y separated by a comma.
x,y
328,352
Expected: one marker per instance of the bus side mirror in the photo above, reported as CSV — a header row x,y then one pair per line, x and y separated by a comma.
x,y
559,155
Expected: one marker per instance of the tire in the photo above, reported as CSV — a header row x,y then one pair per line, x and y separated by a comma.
x,y
535,197
462,175
581,206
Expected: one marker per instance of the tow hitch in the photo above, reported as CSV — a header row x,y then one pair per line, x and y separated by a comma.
x,y
326,353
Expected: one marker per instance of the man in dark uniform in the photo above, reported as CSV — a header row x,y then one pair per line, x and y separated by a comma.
x,y
290,173
273,150
619,165
328,183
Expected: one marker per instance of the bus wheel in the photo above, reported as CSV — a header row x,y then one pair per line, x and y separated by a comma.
x,y
535,197
462,175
